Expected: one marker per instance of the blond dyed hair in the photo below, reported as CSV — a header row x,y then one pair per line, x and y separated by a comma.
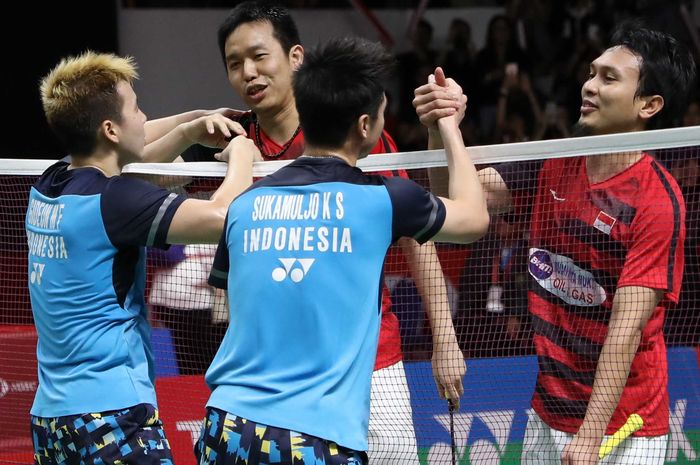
x,y
80,93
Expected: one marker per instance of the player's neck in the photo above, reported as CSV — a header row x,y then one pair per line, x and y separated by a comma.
x,y
602,167
280,125
106,163
325,152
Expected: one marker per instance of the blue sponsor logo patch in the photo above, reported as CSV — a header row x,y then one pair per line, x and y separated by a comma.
x,y
540,264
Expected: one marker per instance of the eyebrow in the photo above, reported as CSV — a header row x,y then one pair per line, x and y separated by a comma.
x,y
605,68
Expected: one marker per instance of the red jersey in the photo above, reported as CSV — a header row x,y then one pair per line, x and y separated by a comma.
x,y
389,349
587,240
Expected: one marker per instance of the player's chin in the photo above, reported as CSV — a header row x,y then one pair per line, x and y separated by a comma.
x,y
582,128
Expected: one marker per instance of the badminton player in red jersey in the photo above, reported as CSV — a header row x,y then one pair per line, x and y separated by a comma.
x,y
606,258
261,49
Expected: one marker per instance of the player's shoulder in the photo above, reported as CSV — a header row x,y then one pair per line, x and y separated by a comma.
x,y
51,174
128,182
126,190
659,185
402,188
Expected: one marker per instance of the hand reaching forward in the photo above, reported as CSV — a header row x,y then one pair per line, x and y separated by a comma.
x,y
214,129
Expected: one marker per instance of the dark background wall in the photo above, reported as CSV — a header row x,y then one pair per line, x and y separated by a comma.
x,y
47,32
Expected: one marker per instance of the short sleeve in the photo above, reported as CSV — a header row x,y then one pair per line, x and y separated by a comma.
x,y
520,176
218,277
655,259
137,213
416,212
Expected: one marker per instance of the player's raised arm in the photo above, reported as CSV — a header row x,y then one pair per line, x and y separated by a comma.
x,y
157,128
467,218
436,100
203,220
212,130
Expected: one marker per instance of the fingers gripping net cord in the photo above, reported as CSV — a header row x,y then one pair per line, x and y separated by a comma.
x,y
486,293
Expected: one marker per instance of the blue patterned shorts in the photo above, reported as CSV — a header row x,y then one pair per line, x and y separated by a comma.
x,y
131,436
230,440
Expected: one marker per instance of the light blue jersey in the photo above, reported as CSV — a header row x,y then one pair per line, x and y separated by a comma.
x,y
86,282
302,257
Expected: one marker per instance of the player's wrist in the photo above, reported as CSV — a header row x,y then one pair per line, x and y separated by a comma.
x,y
592,430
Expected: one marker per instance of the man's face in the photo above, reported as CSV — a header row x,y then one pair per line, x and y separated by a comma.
x,y
131,125
609,103
258,68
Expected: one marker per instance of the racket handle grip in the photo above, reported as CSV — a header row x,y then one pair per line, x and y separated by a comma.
x,y
633,423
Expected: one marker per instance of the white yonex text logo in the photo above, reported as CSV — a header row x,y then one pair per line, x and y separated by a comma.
x,y
297,273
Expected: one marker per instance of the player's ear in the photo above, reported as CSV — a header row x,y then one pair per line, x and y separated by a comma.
x,y
109,130
363,126
296,56
650,106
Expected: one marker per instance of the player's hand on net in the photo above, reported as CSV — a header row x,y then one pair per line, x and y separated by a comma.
x,y
449,370
439,98
240,146
212,130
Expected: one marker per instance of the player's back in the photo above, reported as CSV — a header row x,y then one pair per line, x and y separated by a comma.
x,y
306,247
87,299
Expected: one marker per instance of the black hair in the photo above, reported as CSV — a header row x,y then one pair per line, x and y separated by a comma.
x,y
283,26
666,68
337,83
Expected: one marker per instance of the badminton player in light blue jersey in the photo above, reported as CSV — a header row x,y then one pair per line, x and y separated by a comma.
x,y
301,256
87,228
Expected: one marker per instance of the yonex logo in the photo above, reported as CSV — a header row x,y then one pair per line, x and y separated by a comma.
x,y
37,272
295,273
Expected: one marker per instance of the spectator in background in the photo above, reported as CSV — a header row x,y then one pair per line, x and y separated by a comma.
x,y
500,55
492,311
518,112
457,59
554,123
414,66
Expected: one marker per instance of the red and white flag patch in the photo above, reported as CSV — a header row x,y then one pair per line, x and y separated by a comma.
x,y
604,223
